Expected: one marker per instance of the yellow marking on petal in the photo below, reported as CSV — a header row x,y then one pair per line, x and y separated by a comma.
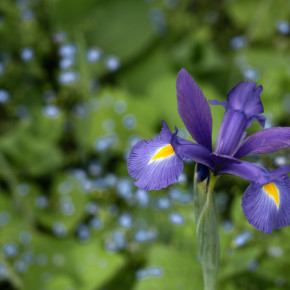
x,y
163,152
272,190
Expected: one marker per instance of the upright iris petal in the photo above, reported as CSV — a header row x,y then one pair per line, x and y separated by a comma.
x,y
243,106
231,132
245,97
194,109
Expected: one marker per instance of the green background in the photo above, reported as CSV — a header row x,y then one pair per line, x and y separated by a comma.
x,y
70,216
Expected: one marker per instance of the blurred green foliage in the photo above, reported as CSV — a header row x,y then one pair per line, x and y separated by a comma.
x,y
80,82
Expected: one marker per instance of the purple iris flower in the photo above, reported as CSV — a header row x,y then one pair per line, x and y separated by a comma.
x,y
158,162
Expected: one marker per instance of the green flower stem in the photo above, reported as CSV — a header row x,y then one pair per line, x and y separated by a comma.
x,y
207,229
11,274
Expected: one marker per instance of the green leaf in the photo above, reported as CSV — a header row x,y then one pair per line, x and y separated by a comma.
x,y
128,35
181,270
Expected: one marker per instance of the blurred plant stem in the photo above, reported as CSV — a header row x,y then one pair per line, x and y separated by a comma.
x,y
8,175
11,274
206,225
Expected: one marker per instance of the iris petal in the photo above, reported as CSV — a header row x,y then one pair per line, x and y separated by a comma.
x,y
242,108
283,184
260,210
247,171
231,132
267,207
153,163
218,103
245,97
151,172
252,172
194,109
265,141
189,150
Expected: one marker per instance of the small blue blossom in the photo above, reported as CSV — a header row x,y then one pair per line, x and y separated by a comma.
x,y
51,111
68,77
27,54
176,219
4,96
112,63
10,250
283,27
94,54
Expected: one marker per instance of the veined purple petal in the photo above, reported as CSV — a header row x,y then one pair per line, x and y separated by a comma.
x,y
245,97
189,150
265,141
267,206
260,119
153,163
247,171
165,132
194,109
280,171
259,209
242,108
153,174
218,103
283,185
221,161
253,172
231,132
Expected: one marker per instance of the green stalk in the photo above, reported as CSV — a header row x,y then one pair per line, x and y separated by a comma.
x,y
12,275
207,229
